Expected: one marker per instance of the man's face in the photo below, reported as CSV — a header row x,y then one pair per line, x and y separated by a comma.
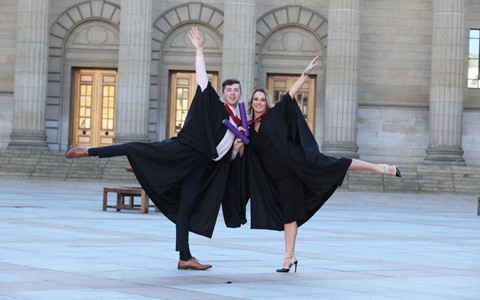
x,y
231,94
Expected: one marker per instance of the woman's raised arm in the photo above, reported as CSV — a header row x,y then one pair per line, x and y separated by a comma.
x,y
301,80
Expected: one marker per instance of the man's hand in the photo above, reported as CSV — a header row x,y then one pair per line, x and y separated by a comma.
x,y
237,145
238,148
194,36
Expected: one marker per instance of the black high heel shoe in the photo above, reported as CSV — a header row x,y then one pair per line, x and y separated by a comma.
x,y
289,262
397,172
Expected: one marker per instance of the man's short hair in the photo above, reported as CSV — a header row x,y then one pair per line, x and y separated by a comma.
x,y
230,81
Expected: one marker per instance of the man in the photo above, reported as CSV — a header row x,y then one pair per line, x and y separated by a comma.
x,y
186,176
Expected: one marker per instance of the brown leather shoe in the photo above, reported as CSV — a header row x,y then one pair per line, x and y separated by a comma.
x,y
192,264
76,152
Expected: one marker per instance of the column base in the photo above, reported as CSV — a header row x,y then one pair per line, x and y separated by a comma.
x,y
126,138
445,155
347,150
28,141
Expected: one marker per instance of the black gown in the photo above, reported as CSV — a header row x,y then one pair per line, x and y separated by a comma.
x,y
289,179
160,167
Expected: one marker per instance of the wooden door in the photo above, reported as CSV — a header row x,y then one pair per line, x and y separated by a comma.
x,y
278,85
94,105
182,89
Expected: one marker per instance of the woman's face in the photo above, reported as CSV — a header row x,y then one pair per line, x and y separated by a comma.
x,y
259,102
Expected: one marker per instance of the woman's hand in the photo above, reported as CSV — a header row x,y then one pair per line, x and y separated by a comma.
x,y
311,66
301,80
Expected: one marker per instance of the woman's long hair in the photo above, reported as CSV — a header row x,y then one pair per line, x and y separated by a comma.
x,y
269,101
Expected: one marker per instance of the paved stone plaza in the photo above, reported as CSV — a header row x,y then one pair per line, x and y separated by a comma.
x,y
57,243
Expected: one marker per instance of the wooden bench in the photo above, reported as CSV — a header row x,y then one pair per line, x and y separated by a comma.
x,y
130,193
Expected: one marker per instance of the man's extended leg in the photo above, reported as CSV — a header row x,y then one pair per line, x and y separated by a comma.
x,y
107,151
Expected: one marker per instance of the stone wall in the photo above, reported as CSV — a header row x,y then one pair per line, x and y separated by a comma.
x,y
395,53
471,137
392,135
394,68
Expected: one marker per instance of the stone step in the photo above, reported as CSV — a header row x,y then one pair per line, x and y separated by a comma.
x,y
14,175
50,164
416,178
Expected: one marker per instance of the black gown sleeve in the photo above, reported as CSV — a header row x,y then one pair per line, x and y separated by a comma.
x,y
203,129
290,132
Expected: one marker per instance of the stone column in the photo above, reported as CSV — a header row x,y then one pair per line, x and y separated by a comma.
x,y
31,73
341,90
447,82
134,71
239,28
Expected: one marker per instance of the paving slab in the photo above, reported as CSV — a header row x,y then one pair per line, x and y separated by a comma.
x,y
57,243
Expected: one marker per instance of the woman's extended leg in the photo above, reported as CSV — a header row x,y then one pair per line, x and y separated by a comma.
x,y
360,165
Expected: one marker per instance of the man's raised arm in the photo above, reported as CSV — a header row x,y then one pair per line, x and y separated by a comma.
x,y
200,70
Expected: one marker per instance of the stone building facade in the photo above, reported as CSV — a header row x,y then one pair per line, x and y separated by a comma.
x,y
391,85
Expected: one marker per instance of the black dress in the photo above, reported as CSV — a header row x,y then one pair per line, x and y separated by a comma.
x,y
289,178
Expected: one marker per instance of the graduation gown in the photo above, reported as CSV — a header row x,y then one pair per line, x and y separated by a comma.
x,y
285,144
160,167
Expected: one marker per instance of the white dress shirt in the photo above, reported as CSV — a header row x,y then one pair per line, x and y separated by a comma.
x,y
202,79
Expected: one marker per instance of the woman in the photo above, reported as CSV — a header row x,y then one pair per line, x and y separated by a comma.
x,y
289,178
